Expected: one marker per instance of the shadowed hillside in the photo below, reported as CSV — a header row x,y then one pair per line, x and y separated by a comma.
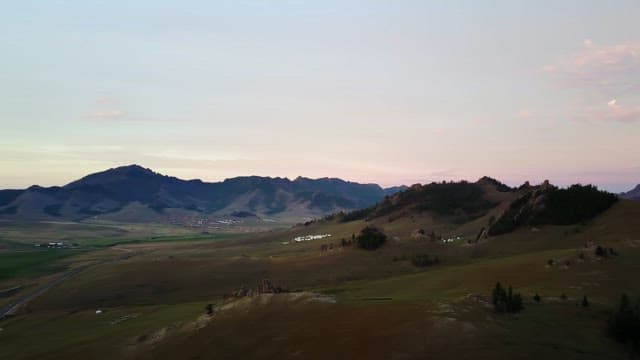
x,y
457,202
151,194
549,205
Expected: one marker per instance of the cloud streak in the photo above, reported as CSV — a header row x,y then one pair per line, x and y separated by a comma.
x,y
524,114
108,114
607,78
606,68
611,111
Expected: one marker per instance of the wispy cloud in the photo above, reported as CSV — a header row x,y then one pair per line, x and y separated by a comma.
x,y
614,69
108,114
524,114
613,110
607,78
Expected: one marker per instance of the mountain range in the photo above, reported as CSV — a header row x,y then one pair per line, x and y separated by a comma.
x,y
135,193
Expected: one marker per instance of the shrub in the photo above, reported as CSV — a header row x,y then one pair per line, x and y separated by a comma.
x,y
355,214
424,260
601,252
624,324
371,238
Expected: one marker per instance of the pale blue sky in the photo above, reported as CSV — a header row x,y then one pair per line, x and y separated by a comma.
x,y
373,91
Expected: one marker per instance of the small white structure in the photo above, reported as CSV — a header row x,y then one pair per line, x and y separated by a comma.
x,y
98,311
451,239
311,237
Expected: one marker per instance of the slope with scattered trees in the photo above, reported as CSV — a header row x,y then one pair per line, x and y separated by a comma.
x,y
550,205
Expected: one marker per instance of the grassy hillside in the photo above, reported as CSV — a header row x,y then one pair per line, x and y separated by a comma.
x,y
381,305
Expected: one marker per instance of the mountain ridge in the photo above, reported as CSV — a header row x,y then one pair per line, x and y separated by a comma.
x,y
110,191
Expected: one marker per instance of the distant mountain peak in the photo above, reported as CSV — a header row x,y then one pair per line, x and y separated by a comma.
x,y
133,168
633,194
120,173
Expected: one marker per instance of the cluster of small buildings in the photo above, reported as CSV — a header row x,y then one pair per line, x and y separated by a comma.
x,y
311,237
229,222
202,222
450,240
52,244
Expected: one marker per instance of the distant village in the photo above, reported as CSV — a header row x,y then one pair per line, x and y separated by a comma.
x,y
304,238
55,245
209,223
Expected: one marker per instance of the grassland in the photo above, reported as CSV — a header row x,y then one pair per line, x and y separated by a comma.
x,y
383,309
31,263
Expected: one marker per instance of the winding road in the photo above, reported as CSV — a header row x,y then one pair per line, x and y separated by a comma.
x,y
12,307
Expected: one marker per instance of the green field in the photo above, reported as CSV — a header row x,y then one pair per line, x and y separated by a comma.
x,y
32,263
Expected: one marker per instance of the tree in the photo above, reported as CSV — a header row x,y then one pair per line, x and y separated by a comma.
x,y
209,309
371,238
506,301
624,324
585,302
601,252
537,298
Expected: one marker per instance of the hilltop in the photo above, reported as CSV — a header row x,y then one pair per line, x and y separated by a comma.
x,y
457,202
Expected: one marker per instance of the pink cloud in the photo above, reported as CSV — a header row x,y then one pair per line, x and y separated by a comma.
x,y
108,114
524,114
612,111
609,68
606,75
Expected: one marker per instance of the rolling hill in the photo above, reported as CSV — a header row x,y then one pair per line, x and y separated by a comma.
x,y
347,294
117,193
152,294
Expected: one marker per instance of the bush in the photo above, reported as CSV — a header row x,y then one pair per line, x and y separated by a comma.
x,y
624,324
424,260
355,214
506,301
371,238
601,252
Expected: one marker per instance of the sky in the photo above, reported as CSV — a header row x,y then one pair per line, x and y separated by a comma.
x,y
391,92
